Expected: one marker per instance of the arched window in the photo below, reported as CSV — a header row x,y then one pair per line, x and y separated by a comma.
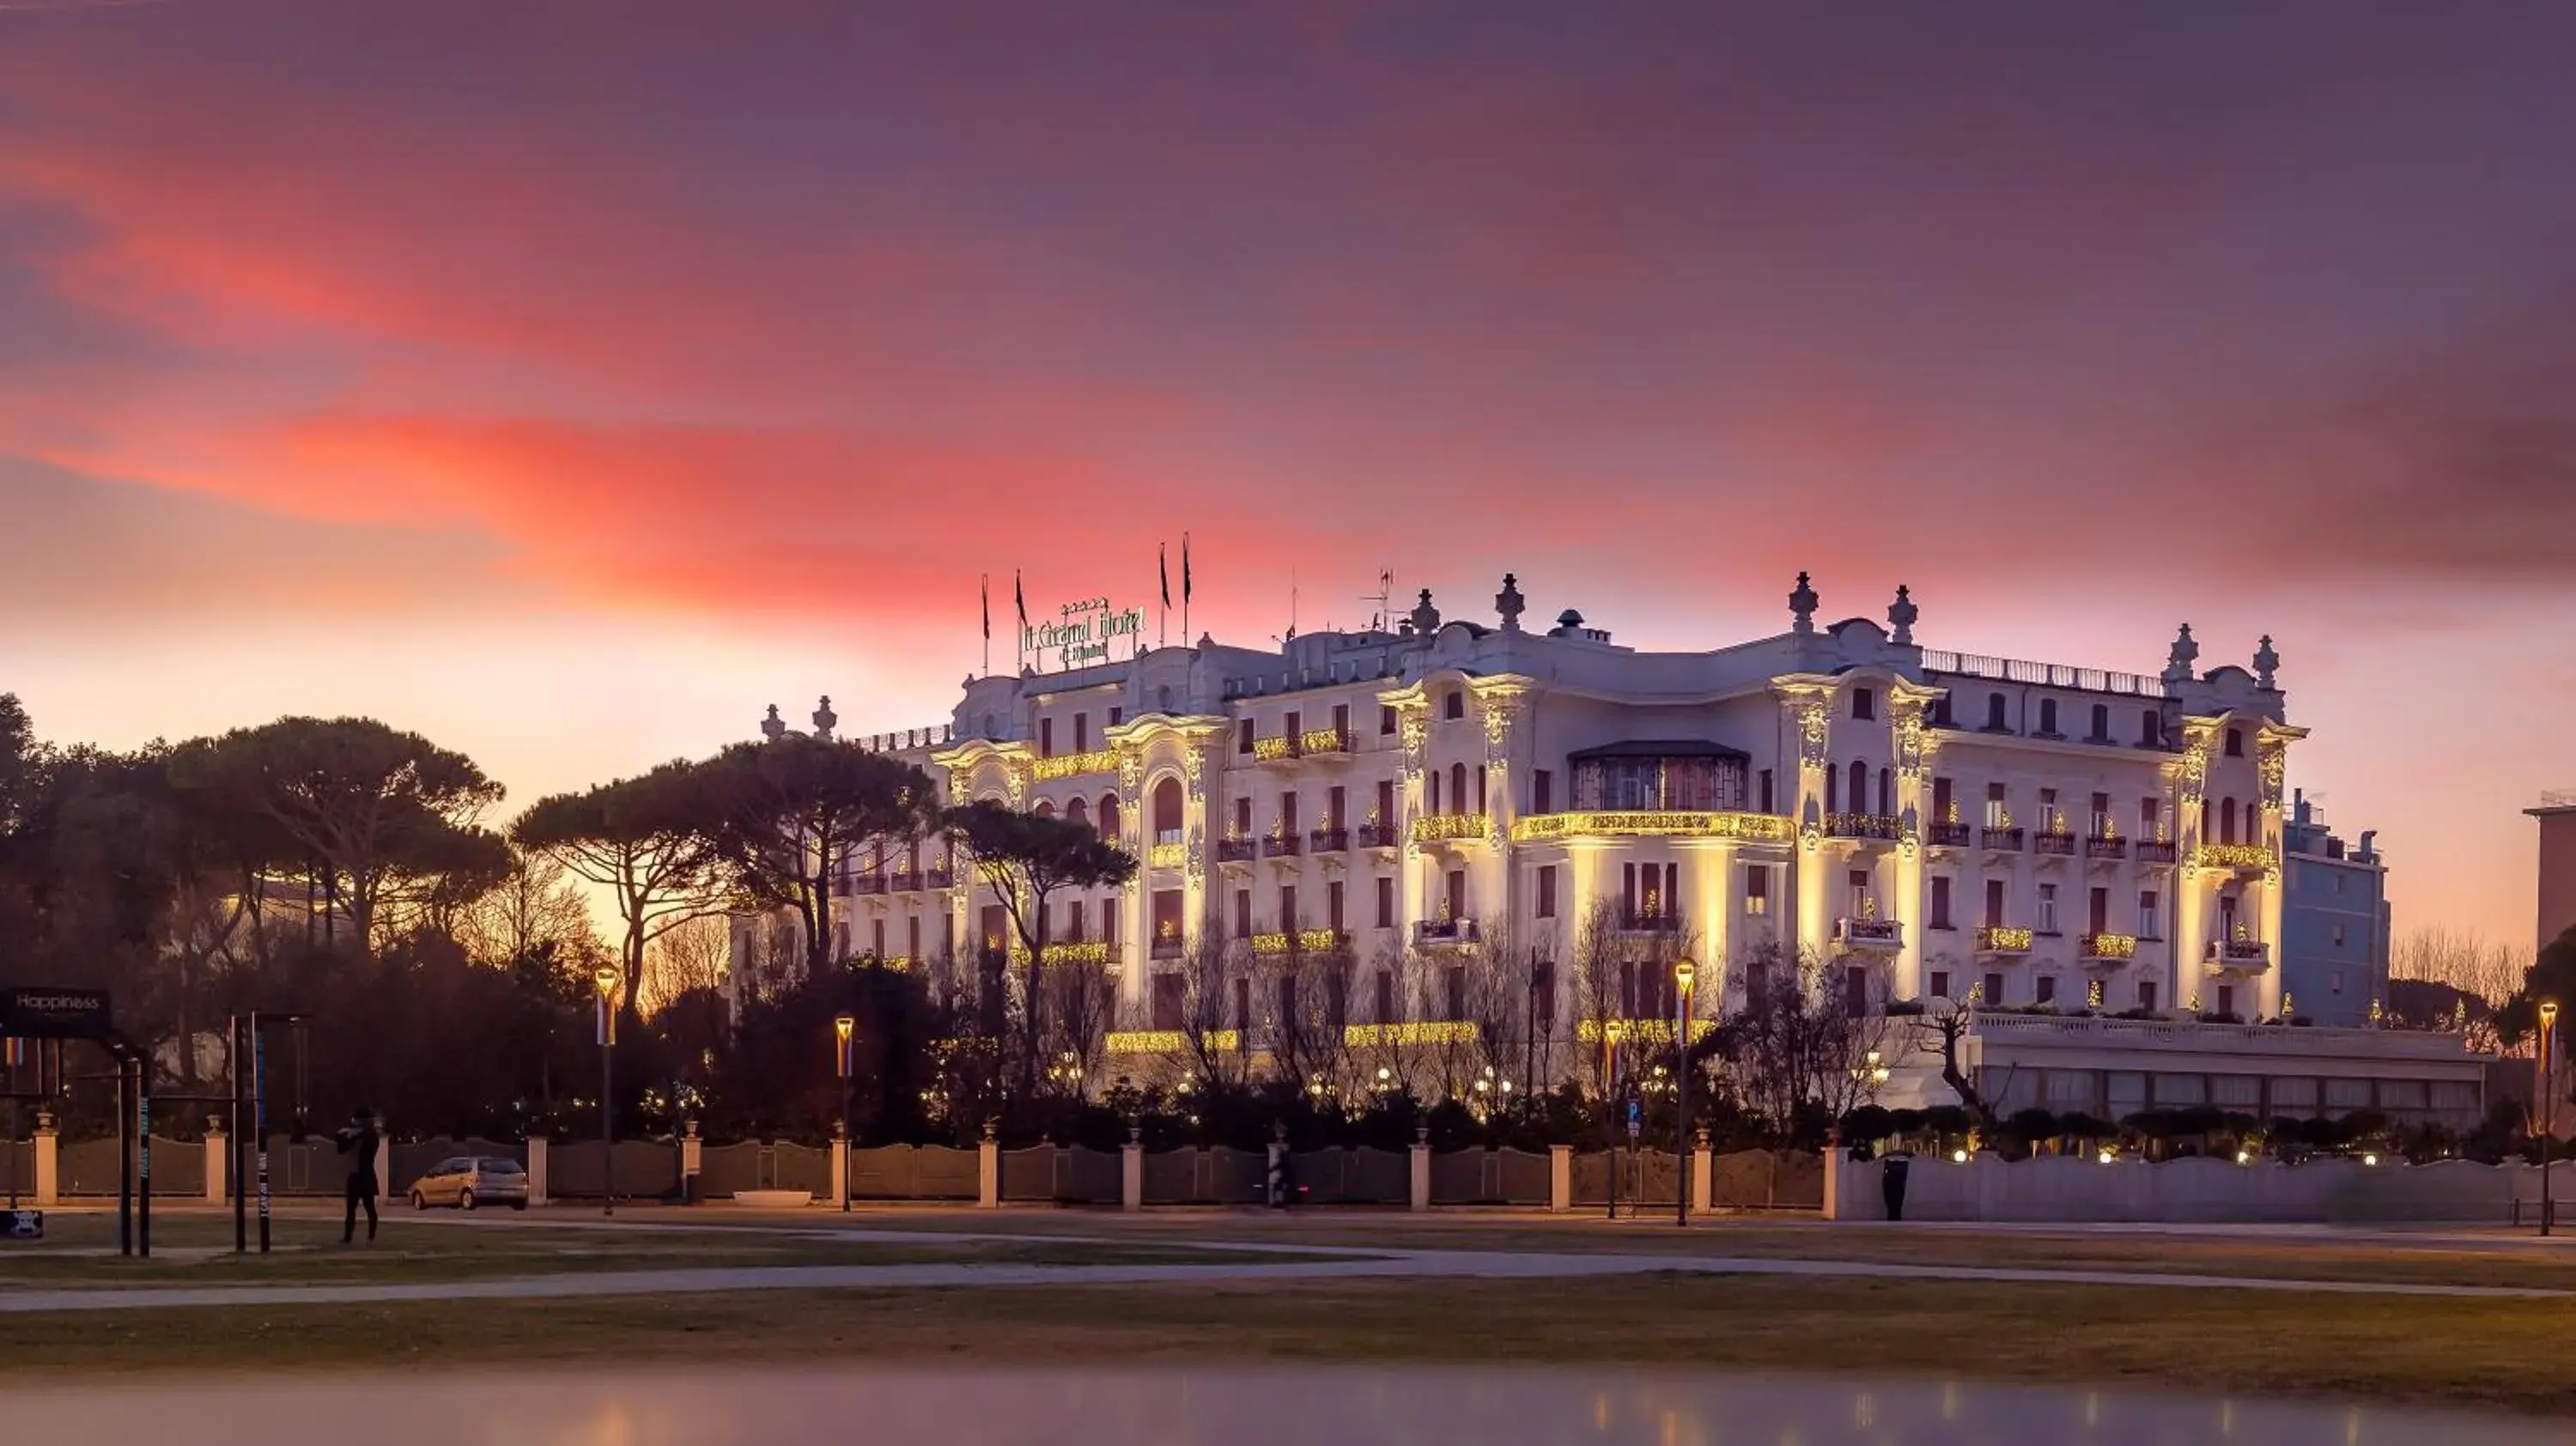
x,y
1886,792
1167,811
2101,723
1077,811
1833,790
1458,786
1431,785
1045,809
2227,821
1859,786
1109,817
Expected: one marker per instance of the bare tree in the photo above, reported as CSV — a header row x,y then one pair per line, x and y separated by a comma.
x,y
687,956
1802,1044
534,906
1306,996
1215,1039
2461,958
1081,1005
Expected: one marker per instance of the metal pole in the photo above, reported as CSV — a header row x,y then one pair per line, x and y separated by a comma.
x,y
10,1052
847,1144
2540,1091
607,1120
1610,1106
124,1163
236,1177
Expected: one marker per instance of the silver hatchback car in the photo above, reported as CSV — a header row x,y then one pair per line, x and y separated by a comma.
x,y
470,1180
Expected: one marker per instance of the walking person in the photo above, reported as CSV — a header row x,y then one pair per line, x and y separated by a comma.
x,y
359,1140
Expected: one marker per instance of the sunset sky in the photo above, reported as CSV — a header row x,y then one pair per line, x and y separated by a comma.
x,y
567,381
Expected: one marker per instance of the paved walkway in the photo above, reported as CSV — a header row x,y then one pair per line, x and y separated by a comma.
x,y
1262,1263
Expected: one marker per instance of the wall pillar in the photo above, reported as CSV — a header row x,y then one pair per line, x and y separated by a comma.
x,y
1703,1177
49,1169
1131,1175
1560,1178
840,1166
1836,1157
988,1174
384,1162
1418,1197
692,1161
536,1169
219,1160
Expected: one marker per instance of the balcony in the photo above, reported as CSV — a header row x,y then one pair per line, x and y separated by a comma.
x,y
2106,948
1947,835
939,878
2054,844
1875,826
1237,850
2155,851
1167,856
1073,765
1329,840
2003,941
2106,848
906,881
2250,954
1304,941
1311,743
1448,827
1875,935
2001,839
1076,951
1166,946
1281,845
1602,823
1649,921
868,884
2240,858
1375,835
1445,932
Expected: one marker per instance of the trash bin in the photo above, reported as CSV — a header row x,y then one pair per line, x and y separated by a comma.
x,y
1891,1184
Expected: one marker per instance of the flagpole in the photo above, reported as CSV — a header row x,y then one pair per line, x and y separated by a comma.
x,y
1163,614
987,595
1185,589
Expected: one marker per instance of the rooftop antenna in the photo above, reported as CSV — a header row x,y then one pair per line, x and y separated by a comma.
x,y
1382,597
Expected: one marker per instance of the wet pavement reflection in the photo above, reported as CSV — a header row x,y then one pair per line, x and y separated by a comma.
x,y
1192,1406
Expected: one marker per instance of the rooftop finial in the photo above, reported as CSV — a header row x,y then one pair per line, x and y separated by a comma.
x,y
1508,603
2266,663
2178,662
1802,606
824,718
1425,617
773,727
1902,613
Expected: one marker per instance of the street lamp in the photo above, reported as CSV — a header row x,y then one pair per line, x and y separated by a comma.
x,y
605,979
1683,972
2543,1107
842,1028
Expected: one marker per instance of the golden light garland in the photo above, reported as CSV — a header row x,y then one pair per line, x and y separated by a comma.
x,y
1755,827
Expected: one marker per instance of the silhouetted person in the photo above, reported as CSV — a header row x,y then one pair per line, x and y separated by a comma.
x,y
359,1141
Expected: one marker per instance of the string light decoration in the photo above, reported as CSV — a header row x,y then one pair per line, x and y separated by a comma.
x,y
1448,827
1753,827
1428,1031
1070,765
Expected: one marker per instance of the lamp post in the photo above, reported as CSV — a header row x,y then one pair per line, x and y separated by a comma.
x,y
842,1028
1683,972
2543,1107
605,979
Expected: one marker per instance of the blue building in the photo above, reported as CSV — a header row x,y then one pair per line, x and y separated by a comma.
x,y
2334,922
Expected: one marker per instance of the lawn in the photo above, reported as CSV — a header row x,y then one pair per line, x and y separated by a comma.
x,y
2403,1349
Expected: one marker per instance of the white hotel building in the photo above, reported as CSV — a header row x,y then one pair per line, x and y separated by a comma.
x,y
1934,824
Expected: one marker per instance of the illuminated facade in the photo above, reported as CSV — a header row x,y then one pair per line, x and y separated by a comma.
x,y
1923,824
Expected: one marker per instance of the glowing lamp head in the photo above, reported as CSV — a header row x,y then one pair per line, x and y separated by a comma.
x,y
1684,971
2548,1013
605,978
1959,1156
842,1027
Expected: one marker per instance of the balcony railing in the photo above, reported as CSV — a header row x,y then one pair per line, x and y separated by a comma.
x,y
1644,921
1601,823
1948,835
2107,948
2061,845
1312,743
1862,825
1166,946
2240,953
868,884
1420,1031
2002,838
1329,840
1870,933
1280,845
2003,939
2155,851
2106,848
1069,765
1167,856
1077,951
1379,836
1445,931
1304,941
2253,857
1237,850
906,881
1165,1041
1434,827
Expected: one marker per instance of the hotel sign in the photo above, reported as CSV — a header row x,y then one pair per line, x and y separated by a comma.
x,y
1084,634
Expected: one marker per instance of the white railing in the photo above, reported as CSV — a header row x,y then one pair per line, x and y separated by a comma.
x,y
930,737
2053,675
2192,1034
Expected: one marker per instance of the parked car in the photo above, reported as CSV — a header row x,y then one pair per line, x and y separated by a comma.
x,y
470,1180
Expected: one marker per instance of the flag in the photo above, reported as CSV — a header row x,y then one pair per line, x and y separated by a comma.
x,y
1185,567
1019,598
987,590
1163,566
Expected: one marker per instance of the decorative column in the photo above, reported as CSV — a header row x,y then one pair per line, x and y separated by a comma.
x,y
2191,898
2272,767
1198,810
1413,722
1502,708
1913,743
1135,927
1808,711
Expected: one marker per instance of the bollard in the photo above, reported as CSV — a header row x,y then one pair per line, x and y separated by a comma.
x,y
1560,1178
219,1159
48,1160
1131,1176
536,1169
